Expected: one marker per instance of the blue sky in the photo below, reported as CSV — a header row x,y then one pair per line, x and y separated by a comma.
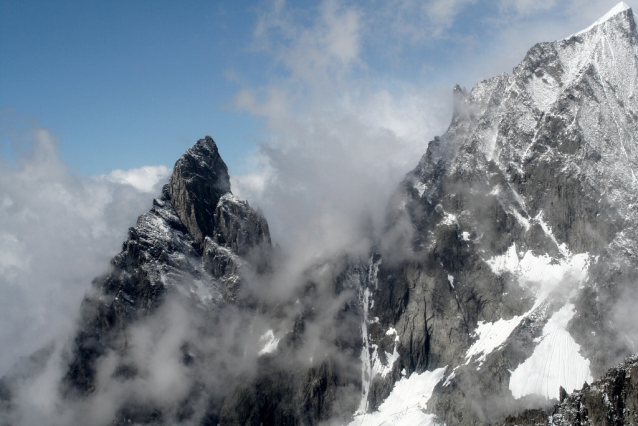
x,y
123,84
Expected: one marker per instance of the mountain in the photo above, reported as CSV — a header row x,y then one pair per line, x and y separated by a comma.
x,y
518,231
191,246
504,278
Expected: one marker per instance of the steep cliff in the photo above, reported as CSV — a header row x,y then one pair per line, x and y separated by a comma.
x,y
510,245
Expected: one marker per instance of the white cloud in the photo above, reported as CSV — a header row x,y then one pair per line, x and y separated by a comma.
x,y
144,178
338,141
57,232
320,52
441,13
414,21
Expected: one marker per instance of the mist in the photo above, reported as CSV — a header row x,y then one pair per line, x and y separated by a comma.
x,y
337,140
58,232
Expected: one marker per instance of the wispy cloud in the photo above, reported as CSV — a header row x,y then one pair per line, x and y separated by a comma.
x,y
527,7
415,22
338,141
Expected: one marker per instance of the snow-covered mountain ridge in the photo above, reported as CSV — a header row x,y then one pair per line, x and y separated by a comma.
x,y
504,277
521,236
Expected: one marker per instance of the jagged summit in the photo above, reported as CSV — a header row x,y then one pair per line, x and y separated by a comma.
x,y
200,178
190,243
521,235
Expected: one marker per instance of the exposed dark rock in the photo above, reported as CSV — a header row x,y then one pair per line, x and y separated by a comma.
x,y
200,178
192,241
536,166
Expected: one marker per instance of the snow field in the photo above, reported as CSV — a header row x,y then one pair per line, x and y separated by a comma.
x,y
555,362
405,404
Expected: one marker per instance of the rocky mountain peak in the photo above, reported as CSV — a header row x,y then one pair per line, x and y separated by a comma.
x,y
606,49
200,178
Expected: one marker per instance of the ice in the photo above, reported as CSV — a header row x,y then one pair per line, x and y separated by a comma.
x,y
405,404
555,362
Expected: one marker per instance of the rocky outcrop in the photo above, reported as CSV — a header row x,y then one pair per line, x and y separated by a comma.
x,y
504,255
200,178
200,245
193,241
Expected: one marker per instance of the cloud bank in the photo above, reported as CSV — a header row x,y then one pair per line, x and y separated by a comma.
x,y
57,232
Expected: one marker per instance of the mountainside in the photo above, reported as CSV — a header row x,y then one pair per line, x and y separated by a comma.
x,y
518,235
503,280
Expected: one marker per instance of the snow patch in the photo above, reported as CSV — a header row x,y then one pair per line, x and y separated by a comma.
x,y
543,91
449,378
523,221
548,231
450,279
392,332
380,369
492,335
544,271
555,362
420,187
449,219
270,343
405,404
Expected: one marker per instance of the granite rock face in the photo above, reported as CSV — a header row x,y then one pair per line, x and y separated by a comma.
x,y
201,248
200,178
